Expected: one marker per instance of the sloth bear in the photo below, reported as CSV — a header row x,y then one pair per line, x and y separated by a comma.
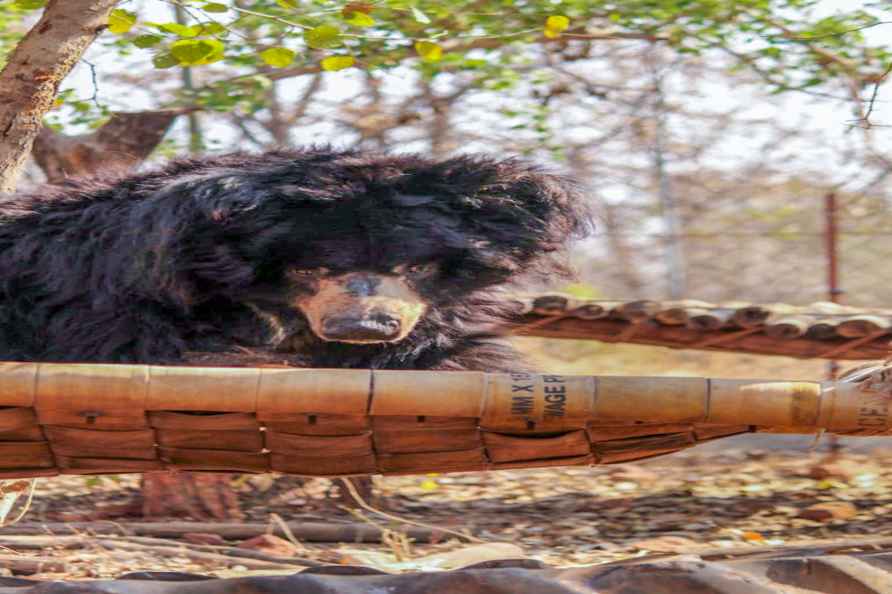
x,y
315,258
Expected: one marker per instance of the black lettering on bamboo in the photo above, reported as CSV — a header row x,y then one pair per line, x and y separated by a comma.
x,y
874,411
555,396
522,405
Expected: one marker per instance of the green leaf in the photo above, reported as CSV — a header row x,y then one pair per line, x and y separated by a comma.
x,y
335,63
359,19
210,29
287,4
323,37
429,51
278,57
164,60
121,21
179,30
30,4
145,41
215,7
192,52
420,16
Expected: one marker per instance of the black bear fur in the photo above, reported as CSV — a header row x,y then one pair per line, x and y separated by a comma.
x,y
185,263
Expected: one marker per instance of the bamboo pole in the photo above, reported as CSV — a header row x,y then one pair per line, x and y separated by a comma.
x,y
105,395
95,419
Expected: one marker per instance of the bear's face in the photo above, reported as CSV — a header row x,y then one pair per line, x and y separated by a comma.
x,y
369,268
363,249
361,307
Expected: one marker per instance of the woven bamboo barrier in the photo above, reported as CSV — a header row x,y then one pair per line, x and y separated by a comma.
x,y
819,330
83,419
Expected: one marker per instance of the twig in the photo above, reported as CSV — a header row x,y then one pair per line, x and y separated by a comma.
x,y
790,35
277,519
363,504
873,96
95,97
182,551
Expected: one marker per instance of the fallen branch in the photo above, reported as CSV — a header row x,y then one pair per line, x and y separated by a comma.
x,y
28,565
178,550
303,531
26,543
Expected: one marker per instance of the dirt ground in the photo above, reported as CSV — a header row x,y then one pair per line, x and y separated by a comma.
x,y
757,492
561,516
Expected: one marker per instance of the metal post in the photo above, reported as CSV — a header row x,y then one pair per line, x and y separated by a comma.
x,y
831,233
834,292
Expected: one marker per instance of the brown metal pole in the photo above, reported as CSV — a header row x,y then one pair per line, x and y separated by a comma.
x,y
831,233
834,292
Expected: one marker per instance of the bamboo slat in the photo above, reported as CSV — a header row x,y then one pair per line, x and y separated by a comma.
x,y
90,419
819,330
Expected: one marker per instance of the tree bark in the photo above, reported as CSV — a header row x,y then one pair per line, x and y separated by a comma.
x,y
122,143
30,80
196,495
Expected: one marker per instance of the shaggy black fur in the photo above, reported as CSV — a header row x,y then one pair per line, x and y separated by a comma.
x,y
155,267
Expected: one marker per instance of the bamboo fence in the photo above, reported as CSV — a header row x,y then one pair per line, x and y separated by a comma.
x,y
89,418
820,330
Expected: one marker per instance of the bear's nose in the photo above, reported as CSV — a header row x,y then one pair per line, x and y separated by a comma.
x,y
377,327
362,286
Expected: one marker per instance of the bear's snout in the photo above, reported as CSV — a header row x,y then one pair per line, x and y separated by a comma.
x,y
362,308
377,327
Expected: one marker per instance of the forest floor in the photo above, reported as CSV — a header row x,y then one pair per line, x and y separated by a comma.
x,y
576,516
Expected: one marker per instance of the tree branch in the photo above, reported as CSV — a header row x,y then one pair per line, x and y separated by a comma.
x,y
30,80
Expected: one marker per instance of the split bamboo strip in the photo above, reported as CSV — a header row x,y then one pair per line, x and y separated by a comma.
x,y
90,419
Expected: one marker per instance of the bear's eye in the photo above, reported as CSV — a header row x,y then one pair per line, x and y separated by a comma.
x,y
421,269
307,272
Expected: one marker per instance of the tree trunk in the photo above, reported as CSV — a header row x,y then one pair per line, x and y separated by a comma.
x,y
621,255
121,144
36,68
195,495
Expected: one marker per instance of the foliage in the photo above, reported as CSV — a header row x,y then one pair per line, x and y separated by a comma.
x,y
11,27
786,42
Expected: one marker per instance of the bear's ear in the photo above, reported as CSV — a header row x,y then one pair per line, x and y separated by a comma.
x,y
518,210
185,226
